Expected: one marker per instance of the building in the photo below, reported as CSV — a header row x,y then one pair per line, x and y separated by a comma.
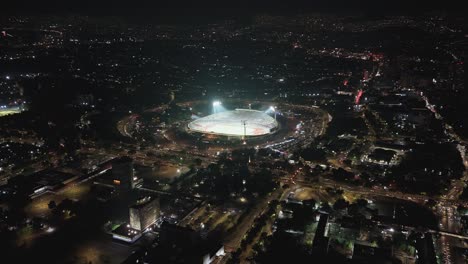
x,y
179,244
425,249
381,156
123,173
185,245
320,243
213,252
126,233
144,213
366,253
41,182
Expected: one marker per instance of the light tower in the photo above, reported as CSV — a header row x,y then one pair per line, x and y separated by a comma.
x,y
272,108
244,123
215,106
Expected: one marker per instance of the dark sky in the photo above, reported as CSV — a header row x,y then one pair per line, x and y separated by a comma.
x,y
225,7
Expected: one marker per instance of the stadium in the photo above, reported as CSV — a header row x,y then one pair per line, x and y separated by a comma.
x,y
239,122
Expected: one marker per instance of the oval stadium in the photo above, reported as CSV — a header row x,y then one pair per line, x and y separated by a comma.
x,y
239,122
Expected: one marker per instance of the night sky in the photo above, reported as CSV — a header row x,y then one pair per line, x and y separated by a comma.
x,y
226,8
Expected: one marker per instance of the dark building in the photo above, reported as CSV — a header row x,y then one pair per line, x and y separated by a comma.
x,y
172,234
382,156
180,245
320,244
123,173
189,243
363,253
425,250
144,213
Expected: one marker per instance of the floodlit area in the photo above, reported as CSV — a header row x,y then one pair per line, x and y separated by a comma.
x,y
9,112
99,250
166,171
239,122
39,206
306,193
212,218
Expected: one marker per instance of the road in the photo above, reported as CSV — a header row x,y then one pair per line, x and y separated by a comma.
x,y
233,240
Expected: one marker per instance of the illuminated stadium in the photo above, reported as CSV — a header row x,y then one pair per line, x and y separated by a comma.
x,y
239,122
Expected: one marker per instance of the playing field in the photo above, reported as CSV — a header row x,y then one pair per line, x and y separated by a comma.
x,y
240,122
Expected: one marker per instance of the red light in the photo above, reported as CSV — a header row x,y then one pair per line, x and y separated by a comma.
x,y
358,96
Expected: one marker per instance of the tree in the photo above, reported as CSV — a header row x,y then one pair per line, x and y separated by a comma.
x,y
361,203
309,203
342,175
37,223
313,154
197,161
340,204
431,203
325,207
52,205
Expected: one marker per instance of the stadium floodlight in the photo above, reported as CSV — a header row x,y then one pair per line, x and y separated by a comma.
x,y
272,108
216,105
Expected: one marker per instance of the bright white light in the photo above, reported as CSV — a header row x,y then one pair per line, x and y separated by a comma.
x,y
231,122
272,108
7,77
216,103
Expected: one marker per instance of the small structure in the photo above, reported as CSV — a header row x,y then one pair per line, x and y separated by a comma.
x,y
126,233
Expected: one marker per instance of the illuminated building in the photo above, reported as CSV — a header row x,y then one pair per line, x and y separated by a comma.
x,y
144,213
